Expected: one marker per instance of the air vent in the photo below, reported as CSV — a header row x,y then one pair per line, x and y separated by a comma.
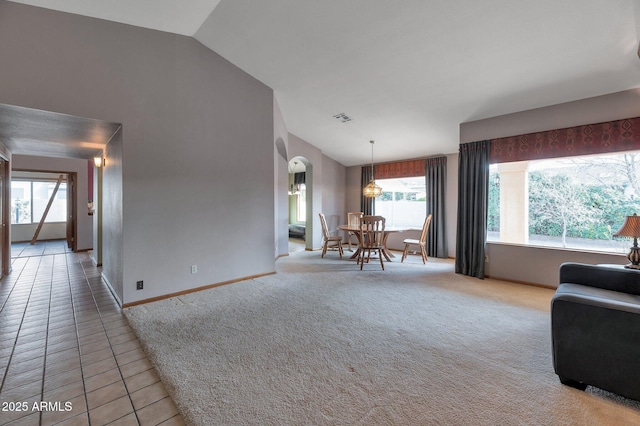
x,y
342,117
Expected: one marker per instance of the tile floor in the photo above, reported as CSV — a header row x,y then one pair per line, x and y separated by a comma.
x,y
64,341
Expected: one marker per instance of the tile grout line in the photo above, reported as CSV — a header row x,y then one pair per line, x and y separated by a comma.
x,y
15,283
46,338
75,322
86,279
6,373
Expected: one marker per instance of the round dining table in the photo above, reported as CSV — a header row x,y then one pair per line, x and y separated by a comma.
x,y
387,231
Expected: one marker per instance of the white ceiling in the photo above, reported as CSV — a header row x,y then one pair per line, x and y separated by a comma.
x,y
407,73
174,16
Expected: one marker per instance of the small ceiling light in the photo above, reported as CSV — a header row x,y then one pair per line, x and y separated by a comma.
x,y
372,190
293,189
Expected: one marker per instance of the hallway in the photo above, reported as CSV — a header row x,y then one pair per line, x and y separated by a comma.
x,y
64,341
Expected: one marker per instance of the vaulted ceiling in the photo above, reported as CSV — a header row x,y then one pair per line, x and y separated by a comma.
x,y
406,73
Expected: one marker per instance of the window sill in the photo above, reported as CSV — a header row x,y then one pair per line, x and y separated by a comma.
x,y
36,223
564,249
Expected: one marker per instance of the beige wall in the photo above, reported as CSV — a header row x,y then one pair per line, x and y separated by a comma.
x,y
333,193
609,107
193,124
112,216
281,181
540,265
49,231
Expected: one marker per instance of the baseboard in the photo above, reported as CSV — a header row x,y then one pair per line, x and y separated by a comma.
x,y
194,290
522,282
95,262
110,287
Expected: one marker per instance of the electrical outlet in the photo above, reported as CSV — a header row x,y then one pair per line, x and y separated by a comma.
x,y
194,269
486,259
139,285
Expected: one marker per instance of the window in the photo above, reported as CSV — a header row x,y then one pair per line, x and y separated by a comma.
x,y
572,202
403,201
301,200
29,199
21,202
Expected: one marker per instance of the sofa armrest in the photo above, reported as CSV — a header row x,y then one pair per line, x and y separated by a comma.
x,y
605,277
595,334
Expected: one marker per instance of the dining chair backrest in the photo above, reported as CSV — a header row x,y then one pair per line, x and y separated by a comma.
x,y
353,219
372,231
325,229
425,228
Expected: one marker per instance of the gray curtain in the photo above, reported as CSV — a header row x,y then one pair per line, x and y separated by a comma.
x,y
435,176
473,190
367,205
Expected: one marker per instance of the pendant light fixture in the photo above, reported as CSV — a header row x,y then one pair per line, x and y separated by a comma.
x,y
294,189
372,190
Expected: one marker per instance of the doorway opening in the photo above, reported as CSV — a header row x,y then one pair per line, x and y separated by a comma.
x,y
43,207
297,190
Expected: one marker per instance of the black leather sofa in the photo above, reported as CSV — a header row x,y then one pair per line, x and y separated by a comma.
x,y
595,328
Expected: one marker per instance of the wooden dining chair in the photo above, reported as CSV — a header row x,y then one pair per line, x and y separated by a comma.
x,y
353,221
331,242
371,238
422,242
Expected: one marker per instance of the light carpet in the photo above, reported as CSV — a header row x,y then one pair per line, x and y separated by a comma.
x,y
321,342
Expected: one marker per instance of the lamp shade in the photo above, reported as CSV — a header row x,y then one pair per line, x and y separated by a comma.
x,y
372,190
630,227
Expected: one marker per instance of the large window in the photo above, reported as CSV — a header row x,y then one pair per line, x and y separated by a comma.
x,y
403,201
573,202
301,203
29,199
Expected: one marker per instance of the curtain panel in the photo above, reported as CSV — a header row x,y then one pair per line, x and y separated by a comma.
x,y
367,205
473,198
598,138
435,170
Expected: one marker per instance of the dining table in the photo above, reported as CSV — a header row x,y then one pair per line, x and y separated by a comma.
x,y
387,231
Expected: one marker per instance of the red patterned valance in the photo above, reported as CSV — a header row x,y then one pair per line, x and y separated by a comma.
x,y
433,161
599,138
398,169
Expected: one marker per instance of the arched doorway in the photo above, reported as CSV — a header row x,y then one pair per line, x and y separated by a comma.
x,y
299,189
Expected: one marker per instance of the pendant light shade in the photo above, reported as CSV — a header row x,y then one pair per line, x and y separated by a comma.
x,y
372,190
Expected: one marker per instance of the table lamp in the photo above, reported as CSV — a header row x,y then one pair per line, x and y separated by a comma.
x,y
631,228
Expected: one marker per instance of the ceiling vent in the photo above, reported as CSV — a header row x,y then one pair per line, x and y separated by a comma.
x,y
342,117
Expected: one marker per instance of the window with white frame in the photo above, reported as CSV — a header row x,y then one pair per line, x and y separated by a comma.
x,y
301,203
29,200
569,202
403,201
